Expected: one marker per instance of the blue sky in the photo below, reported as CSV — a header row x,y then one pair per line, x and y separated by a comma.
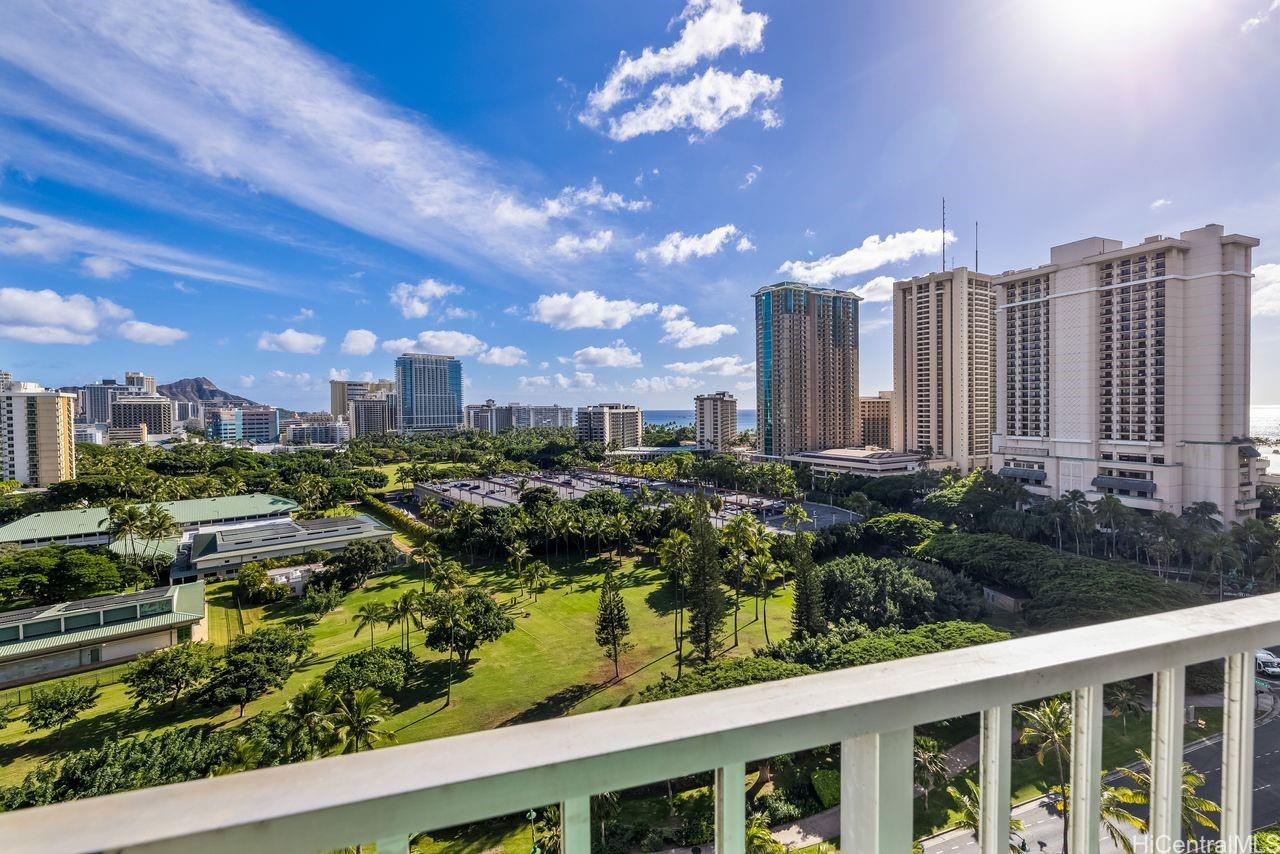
x,y
578,198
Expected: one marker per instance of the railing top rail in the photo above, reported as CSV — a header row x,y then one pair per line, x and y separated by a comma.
x,y
322,804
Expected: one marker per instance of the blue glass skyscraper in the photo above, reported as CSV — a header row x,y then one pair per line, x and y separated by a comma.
x,y
429,390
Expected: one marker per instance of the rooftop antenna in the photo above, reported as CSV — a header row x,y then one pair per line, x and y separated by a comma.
x,y
975,246
944,234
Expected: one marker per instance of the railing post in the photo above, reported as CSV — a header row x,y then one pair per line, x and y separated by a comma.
x,y
876,793
994,779
1086,769
394,845
1168,699
575,825
731,808
1237,751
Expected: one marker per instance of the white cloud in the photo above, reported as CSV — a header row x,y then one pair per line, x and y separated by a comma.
x,y
587,310
454,312
574,245
141,332
710,28
1266,290
359,342
879,289
617,355
875,325
339,375
750,178
507,356
47,317
304,314
593,195
291,341
300,380
104,267
721,366
443,341
1261,18
676,247
745,245
534,383
1161,203
211,90
416,300
248,381
684,333
580,381
655,385
875,251
183,288
704,104
54,239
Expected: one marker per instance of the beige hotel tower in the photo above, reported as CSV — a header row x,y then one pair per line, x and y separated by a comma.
x,y
944,367
1125,371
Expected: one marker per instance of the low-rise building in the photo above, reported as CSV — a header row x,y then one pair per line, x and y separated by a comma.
x,y
315,428
135,435
89,526
860,462
648,454
223,424
220,552
259,424
38,643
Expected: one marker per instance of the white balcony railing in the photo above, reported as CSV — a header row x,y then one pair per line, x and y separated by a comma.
x,y
385,795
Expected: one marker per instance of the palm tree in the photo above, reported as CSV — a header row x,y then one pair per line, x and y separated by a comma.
x,y
764,571
1076,506
368,615
124,524
448,612
246,755
157,526
358,720
1223,557
1124,700
310,710
533,574
517,554
605,806
401,611
426,556
1204,515
1110,512
447,576
741,536
930,768
675,552
1195,809
1112,812
795,517
968,813
1054,512
759,838
1047,728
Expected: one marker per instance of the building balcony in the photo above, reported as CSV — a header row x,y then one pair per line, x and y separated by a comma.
x,y
387,795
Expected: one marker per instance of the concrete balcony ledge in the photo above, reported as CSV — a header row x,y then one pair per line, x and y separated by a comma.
x,y
385,795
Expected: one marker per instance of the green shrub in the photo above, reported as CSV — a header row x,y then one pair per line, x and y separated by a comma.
x,y
898,532
826,784
399,520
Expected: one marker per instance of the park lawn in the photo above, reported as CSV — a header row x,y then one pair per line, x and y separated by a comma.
x,y
437,470
549,666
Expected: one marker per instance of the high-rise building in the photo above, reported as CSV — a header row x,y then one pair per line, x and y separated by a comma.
x,y
806,368
614,425
429,390
528,415
315,428
184,411
494,417
37,442
98,397
1125,371
488,417
137,379
944,366
223,424
340,391
715,420
260,424
154,411
373,414
875,420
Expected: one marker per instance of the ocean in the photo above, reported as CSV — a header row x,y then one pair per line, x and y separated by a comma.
x,y
1263,420
684,417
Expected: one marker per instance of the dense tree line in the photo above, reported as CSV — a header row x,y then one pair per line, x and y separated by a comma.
x,y
53,574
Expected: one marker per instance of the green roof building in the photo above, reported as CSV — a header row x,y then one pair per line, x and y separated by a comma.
x,y
88,526
40,643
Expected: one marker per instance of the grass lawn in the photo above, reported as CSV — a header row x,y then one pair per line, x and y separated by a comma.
x,y
549,666
437,470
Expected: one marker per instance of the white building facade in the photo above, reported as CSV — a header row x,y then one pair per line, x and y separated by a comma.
x,y
1125,371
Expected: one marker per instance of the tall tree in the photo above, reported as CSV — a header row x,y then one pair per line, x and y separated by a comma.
x,y
706,592
968,813
929,764
1196,810
1047,728
359,720
367,616
808,614
612,623
675,555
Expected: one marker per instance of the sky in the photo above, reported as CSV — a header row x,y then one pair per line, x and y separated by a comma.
x,y
578,198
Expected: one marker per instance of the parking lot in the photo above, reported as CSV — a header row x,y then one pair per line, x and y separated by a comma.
x,y
504,490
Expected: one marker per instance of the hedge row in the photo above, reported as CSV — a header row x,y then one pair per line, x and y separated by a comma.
x,y
1065,590
399,520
